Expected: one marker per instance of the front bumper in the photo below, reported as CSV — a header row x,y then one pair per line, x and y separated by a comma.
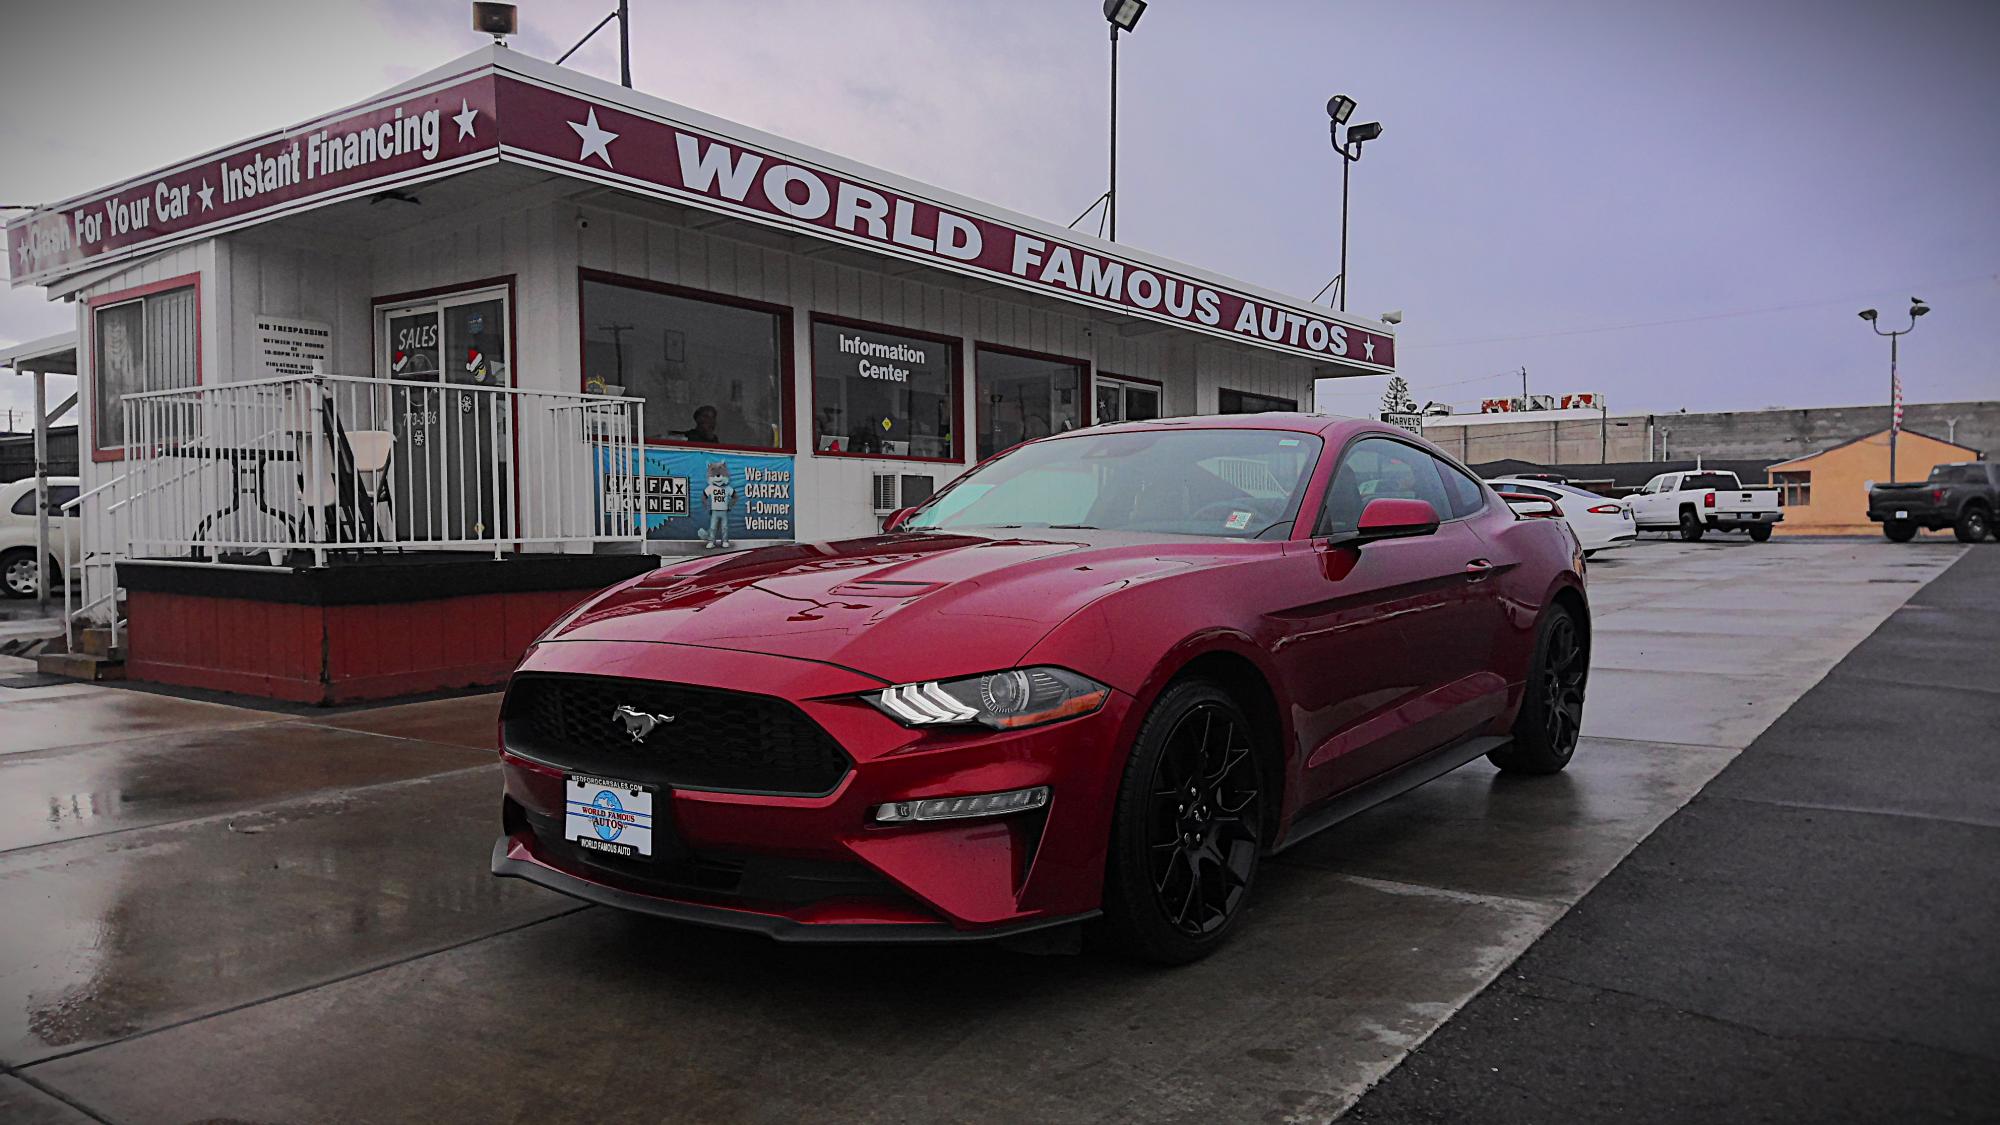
x,y
816,868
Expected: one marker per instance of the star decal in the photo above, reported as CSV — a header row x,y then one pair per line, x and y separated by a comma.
x,y
1368,346
463,119
207,196
594,139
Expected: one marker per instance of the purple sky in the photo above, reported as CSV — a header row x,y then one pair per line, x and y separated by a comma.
x,y
1678,205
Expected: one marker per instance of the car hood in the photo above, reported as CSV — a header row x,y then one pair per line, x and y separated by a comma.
x,y
901,607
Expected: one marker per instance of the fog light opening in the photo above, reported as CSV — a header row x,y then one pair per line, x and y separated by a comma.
x,y
961,808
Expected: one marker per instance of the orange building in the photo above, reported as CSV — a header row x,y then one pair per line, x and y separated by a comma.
x,y
1826,493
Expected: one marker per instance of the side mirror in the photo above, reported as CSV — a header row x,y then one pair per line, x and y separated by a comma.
x,y
896,519
1389,518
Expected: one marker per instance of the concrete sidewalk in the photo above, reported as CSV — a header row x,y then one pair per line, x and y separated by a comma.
x,y
1811,939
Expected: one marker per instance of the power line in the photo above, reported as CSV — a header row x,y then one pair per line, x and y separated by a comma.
x,y
1698,319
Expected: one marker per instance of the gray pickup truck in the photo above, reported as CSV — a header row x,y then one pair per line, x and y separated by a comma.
x,y
1962,497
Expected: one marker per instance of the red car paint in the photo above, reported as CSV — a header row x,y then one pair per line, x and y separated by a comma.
x,y
1365,657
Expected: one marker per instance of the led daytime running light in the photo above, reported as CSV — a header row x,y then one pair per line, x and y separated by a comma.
x,y
962,808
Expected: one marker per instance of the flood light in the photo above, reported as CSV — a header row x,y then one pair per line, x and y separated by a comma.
x,y
1917,307
1340,107
1869,314
1124,14
1364,132
497,20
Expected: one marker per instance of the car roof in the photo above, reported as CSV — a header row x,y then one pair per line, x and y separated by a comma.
x,y
1328,426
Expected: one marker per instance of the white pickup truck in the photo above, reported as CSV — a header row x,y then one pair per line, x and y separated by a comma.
x,y
1702,501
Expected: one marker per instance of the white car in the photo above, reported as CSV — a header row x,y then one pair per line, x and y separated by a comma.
x,y
1598,521
17,533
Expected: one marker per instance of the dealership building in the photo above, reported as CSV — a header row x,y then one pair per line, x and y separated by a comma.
x,y
364,402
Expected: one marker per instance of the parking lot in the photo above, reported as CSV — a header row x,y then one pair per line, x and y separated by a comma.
x,y
219,912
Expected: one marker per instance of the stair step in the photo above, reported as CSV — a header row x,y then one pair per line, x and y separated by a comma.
x,y
80,666
96,640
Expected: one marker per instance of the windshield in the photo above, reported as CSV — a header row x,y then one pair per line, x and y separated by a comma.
x,y
1242,484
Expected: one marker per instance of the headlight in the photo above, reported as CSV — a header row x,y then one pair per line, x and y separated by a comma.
x,y
1018,697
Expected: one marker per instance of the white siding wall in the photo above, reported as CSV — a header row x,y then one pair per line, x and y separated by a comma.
x,y
277,271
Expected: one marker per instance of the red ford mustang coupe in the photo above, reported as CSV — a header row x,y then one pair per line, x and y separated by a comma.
x,y
1098,677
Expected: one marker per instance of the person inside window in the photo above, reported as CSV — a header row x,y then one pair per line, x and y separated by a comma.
x,y
704,426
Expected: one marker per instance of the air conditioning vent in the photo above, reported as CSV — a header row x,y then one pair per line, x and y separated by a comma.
x,y
901,490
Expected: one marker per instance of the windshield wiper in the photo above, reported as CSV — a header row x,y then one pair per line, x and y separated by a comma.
x,y
1072,527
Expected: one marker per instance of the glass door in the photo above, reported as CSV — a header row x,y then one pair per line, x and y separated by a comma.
x,y
1126,400
450,472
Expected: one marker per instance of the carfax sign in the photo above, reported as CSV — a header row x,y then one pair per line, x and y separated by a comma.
x,y
708,496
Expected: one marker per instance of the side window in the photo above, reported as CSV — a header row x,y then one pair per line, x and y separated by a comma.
x,y
24,505
1530,490
1375,469
1464,493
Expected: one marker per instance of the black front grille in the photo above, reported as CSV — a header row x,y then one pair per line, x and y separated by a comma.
x,y
725,740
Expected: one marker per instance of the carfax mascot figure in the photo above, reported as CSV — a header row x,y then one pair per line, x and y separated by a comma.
x,y
720,495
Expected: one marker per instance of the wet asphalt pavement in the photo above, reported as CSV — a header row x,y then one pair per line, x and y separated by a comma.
x,y
1810,939
219,912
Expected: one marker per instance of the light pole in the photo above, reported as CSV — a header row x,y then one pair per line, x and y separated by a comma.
x,y
1339,108
1122,15
1917,309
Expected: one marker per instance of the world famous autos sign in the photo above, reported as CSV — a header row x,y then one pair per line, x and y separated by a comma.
x,y
521,111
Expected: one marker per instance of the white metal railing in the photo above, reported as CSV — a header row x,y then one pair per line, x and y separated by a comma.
x,y
252,472
92,573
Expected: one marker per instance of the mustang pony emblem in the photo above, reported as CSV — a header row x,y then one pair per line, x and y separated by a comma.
x,y
638,723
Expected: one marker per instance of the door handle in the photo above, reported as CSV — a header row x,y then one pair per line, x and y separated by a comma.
x,y
1478,568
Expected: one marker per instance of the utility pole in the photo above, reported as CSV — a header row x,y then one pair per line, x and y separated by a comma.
x,y
1524,388
624,45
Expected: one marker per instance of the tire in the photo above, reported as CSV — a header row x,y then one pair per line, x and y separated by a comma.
x,y
1899,531
1974,524
17,572
1761,533
1551,718
1188,830
1691,528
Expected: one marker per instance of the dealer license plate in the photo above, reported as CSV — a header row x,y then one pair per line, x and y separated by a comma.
x,y
606,815
1902,515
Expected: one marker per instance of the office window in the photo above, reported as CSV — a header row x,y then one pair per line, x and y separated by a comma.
x,y
1794,489
145,344
1126,400
1244,402
1021,397
881,393
712,371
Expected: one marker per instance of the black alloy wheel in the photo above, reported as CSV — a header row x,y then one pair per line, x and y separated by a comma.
x,y
1691,528
1551,718
1973,524
1189,829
